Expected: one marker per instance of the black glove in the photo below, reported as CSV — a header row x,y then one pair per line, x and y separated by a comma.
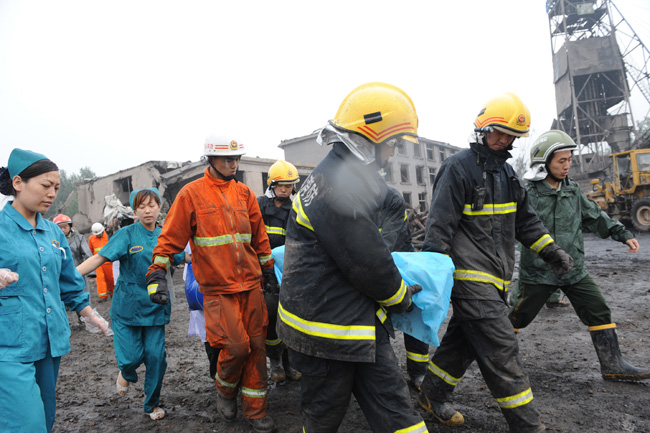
x,y
561,263
270,281
157,287
407,303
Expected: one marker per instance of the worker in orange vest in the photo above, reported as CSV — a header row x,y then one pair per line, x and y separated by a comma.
x,y
105,283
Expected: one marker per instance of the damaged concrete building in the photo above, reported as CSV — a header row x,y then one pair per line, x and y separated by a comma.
x,y
412,171
169,177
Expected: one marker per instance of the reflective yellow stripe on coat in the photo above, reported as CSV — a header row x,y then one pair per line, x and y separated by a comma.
x,y
275,230
301,216
483,277
326,330
491,209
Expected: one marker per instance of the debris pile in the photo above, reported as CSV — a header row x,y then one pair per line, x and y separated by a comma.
x,y
418,223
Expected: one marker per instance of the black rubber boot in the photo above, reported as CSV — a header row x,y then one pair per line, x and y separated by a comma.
x,y
262,425
227,407
290,372
276,372
612,364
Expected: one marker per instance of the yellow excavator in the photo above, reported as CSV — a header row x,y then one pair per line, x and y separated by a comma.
x,y
627,197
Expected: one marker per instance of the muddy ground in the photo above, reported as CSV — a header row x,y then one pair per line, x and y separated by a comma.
x,y
556,351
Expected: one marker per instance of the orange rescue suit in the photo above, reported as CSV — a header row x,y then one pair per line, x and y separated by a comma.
x,y
105,282
223,222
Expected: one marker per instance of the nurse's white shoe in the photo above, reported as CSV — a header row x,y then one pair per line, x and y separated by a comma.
x,y
121,389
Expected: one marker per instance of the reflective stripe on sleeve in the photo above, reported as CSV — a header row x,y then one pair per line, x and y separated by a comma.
x,y
275,231
451,380
381,314
397,298
273,342
483,277
301,216
326,330
516,400
264,259
491,209
541,243
164,260
151,288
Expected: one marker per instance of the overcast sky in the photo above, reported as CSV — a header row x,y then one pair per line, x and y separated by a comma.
x,y
110,85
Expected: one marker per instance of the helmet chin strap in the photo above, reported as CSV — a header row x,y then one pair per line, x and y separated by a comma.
x,y
550,173
219,174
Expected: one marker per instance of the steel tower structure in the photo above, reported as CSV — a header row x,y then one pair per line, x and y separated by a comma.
x,y
598,60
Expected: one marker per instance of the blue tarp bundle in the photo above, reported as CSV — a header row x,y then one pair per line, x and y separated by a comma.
x,y
194,297
434,272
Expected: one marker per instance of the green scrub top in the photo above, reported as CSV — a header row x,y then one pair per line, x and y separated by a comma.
x,y
32,310
133,246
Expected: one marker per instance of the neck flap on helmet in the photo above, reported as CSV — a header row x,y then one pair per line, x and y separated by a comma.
x,y
359,146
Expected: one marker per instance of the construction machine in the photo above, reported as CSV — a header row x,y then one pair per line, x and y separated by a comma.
x,y
627,197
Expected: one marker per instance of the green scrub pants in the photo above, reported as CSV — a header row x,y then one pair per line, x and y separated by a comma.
x,y
135,345
584,295
28,395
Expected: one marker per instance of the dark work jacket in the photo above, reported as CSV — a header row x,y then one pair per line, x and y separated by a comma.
x,y
275,219
393,222
338,273
565,213
481,242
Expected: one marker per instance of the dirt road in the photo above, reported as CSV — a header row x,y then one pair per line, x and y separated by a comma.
x,y
556,351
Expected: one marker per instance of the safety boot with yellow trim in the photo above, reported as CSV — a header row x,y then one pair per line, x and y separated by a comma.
x,y
441,411
612,364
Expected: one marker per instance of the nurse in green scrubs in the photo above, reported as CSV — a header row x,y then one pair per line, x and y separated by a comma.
x,y
138,323
37,282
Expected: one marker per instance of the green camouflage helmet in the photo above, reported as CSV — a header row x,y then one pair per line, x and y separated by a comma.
x,y
547,144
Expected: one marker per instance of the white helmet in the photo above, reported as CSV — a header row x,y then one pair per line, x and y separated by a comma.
x,y
97,229
219,145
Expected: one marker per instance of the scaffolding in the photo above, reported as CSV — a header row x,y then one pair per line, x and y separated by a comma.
x,y
598,60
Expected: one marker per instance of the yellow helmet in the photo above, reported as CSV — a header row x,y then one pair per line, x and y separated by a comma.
x,y
505,113
378,111
282,172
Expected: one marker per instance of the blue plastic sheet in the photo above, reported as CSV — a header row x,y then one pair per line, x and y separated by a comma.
x,y
434,272
194,297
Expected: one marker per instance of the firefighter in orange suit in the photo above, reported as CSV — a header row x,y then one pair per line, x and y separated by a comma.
x,y
105,282
232,263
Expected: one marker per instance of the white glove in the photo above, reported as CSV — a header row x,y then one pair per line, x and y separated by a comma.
x,y
95,323
7,277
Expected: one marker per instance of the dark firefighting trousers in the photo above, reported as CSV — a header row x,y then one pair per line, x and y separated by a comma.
x,y
492,343
585,297
236,324
274,346
417,356
379,388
